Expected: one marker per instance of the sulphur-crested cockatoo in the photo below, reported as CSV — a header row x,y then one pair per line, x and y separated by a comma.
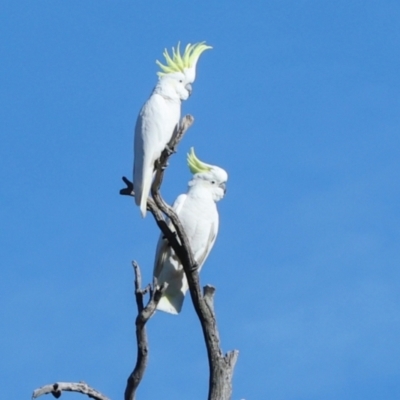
x,y
197,211
160,115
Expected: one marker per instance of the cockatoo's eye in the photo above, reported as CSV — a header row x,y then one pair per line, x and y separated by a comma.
x,y
181,81
213,182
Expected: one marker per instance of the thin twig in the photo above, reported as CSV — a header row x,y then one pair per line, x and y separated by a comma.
x,y
57,388
144,314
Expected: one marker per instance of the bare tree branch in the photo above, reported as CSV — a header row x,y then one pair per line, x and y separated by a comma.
x,y
144,314
57,388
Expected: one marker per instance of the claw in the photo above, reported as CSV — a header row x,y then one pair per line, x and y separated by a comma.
x,y
170,150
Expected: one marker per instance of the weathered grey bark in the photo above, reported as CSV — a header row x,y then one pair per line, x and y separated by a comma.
x,y
57,388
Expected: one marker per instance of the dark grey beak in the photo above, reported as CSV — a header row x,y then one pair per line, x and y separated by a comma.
x,y
223,187
188,87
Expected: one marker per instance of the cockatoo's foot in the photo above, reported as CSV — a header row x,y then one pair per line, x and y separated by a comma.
x,y
170,150
160,166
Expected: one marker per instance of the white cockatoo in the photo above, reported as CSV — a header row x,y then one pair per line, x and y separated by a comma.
x,y
198,214
161,114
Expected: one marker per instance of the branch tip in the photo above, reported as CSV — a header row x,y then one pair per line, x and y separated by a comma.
x,y
209,291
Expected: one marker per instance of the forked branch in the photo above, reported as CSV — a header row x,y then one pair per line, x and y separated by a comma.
x,y
144,314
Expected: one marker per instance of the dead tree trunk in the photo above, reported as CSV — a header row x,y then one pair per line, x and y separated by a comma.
x,y
221,365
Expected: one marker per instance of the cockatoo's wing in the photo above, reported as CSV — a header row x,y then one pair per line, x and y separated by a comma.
x,y
167,268
154,127
143,157
201,255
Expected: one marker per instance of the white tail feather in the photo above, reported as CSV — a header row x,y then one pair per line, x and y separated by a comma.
x,y
172,305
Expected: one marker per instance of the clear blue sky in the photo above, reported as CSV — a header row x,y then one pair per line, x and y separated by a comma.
x,y
298,101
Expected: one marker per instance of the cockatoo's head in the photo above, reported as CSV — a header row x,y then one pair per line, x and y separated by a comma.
x,y
208,176
185,63
172,85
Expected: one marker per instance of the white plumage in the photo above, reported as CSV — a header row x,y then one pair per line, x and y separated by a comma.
x,y
198,214
160,115
154,128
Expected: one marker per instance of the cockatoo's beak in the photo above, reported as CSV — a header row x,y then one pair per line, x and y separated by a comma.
x,y
223,187
188,87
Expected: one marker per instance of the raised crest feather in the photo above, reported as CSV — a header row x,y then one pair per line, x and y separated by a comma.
x,y
195,165
178,62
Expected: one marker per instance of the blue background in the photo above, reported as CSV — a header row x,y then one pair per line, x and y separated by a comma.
x,y
298,101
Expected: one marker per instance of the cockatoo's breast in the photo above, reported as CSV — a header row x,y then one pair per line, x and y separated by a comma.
x,y
199,217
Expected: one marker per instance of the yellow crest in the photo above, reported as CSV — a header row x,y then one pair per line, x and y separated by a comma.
x,y
195,165
178,62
